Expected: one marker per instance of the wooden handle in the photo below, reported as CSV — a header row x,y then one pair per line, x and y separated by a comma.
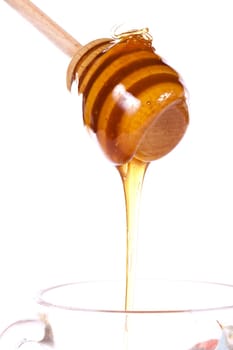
x,y
64,41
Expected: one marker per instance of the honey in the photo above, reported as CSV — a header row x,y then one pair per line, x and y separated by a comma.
x,y
135,104
132,175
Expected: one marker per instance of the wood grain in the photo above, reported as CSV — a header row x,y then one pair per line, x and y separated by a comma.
x,y
57,35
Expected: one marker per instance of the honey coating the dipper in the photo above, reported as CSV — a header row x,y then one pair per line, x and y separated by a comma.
x,y
133,101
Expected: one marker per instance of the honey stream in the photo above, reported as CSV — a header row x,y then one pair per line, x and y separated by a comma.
x,y
132,175
135,104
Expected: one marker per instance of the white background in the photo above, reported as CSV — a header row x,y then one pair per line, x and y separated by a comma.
x,y
61,202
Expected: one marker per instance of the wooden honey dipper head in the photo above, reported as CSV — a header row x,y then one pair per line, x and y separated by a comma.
x,y
132,100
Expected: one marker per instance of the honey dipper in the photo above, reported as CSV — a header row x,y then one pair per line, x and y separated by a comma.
x,y
132,100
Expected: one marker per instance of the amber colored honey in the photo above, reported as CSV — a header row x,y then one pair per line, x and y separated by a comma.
x,y
135,104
